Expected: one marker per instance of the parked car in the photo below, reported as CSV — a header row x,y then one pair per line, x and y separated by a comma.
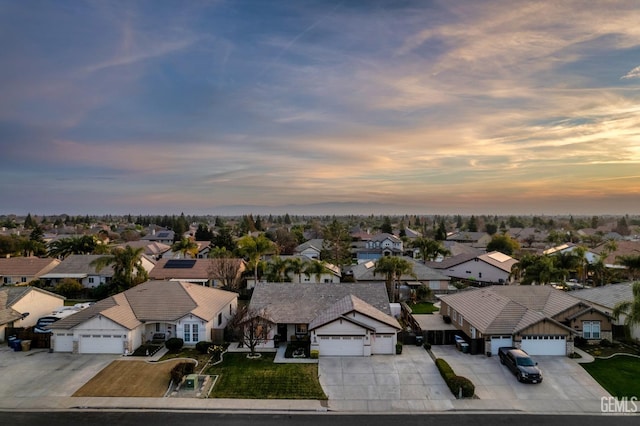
x,y
43,322
520,364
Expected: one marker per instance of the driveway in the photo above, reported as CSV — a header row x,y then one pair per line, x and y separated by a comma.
x,y
409,382
566,386
37,374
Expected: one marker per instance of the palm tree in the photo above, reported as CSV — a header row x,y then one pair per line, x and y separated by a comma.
x,y
276,269
316,269
253,248
632,263
84,244
185,246
127,267
295,266
393,268
429,249
630,308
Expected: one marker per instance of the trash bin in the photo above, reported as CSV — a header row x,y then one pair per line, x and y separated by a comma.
x,y
17,345
26,345
419,340
11,341
464,347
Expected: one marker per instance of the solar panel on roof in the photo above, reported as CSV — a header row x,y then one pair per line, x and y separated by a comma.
x,y
180,263
163,234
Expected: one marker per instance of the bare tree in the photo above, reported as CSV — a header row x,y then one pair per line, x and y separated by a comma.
x,y
251,327
225,268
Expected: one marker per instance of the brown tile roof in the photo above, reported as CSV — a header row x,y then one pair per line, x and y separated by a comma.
x,y
27,266
624,248
290,303
350,304
154,301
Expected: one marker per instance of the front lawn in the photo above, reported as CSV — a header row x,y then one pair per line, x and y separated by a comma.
x,y
260,378
423,308
618,375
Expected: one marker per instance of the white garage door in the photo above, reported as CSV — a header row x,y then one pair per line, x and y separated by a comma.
x,y
63,342
382,344
499,341
100,344
341,346
544,345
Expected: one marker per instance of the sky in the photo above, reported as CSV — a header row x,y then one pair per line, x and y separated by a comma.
x,y
319,107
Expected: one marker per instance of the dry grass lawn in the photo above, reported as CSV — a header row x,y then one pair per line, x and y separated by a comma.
x,y
130,379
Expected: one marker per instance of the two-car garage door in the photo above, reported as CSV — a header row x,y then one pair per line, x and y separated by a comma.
x,y
544,345
341,346
100,344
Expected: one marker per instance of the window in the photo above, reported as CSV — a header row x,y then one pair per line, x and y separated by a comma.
x,y
187,333
454,316
194,333
219,319
301,328
460,319
7,280
91,280
23,279
157,327
591,329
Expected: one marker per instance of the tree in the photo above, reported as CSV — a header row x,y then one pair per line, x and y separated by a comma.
x,y
630,308
29,223
286,241
336,244
224,239
253,248
185,246
504,244
225,268
490,228
536,270
203,233
316,269
251,327
472,224
295,265
632,263
276,269
441,232
69,288
84,244
127,267
386,227
393,268
429,249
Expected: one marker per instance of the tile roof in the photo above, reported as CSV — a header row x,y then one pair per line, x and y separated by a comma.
x,y
27,266
364,272
290,303
154,301
79,264
608,295
193,269
350,304
498,260
509,309
316,243
152,248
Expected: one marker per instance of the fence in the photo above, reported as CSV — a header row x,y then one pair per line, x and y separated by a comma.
x,y
38,340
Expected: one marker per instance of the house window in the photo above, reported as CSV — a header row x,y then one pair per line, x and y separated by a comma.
x,y
454,316
7,280
591,329
301,328
479,274
157,327
91,280
473,332
460,319
187,333
194,333
220,319
23,279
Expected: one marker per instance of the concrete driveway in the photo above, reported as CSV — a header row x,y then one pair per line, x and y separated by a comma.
x,y
37,374
566,386
409,382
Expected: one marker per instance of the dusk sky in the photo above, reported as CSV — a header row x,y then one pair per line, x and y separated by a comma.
x,y
319,107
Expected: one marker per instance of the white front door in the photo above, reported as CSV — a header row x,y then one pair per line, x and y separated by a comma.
x,y
341,346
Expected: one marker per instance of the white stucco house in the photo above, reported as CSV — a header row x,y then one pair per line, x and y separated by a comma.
x,y
121,323
21,306
486,268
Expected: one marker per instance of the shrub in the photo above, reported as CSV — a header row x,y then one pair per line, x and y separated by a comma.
x,y
180,370
315,354
174,343
398,348
427,346
580,341
605,343
456,383
203,346
444,368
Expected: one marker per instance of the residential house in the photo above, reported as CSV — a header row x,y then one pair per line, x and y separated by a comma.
x,y
21,306
153,249
538,319
121,323
310,249
197,271
79,267
605,299
623,248
474,239
589,256
160,236
23,270
486,268
337,319
380,245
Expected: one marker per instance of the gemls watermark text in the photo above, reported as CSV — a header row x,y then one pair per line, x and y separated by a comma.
x,y
611,404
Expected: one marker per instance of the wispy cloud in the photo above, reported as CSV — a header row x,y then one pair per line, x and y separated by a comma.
x,y
634,73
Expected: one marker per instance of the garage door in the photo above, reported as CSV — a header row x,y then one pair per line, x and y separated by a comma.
x,y
63,342
341,346
499,341
100,344
544,345
382,344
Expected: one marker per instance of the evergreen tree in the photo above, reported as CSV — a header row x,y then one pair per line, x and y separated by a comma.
x,y
287,219
29,223
386,226
472,225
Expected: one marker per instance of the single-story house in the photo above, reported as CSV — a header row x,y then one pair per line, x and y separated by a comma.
x,y
21,306
589,256
310,249
78,267
422,275
344,319
153,249
474,239
539,319
486,268
163,236
197,271
605,298
23,270
121,323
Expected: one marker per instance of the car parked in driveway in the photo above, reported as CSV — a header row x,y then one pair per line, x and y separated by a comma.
x,y
520,364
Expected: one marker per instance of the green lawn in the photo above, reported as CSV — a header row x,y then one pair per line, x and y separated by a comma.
x,y
240,377
423,308
618,375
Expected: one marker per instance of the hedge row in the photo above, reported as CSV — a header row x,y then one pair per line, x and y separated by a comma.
x,y
455,382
